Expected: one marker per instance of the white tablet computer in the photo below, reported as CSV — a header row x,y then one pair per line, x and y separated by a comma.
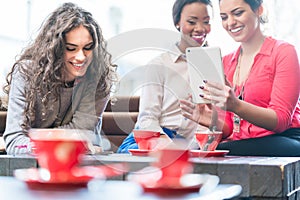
x,y
204,63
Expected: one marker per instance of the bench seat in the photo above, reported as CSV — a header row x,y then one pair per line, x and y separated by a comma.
x,y
118,120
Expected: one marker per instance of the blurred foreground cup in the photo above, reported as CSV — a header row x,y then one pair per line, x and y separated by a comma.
x,y
58,150
173,161
146,139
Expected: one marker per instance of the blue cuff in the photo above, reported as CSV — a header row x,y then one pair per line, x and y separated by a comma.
x,y
128,143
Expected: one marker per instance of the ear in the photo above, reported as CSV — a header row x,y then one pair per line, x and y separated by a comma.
x,y
260,10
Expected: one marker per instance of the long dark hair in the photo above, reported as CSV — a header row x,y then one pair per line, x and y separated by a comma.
x,y
41,63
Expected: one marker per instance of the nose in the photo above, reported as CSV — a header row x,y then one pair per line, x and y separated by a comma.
x,y
231,21
199,28
80,55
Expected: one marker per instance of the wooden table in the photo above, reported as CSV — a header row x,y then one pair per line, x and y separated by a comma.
x,y
261,177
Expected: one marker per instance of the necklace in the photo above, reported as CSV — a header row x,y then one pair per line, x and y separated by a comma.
x,y
236,81
236,77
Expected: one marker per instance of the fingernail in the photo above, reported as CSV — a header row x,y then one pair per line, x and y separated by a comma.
x,y
201,87
201,95
204,81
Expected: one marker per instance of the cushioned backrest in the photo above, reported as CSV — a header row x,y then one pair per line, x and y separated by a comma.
x,y
2,122
119,119
124,104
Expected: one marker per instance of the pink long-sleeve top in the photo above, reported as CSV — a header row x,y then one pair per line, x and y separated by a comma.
x,y
273,82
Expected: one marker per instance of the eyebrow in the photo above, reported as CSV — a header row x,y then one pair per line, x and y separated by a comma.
x,y
206,17
77,45
232,11
235,9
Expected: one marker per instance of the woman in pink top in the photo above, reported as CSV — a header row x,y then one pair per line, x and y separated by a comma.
x,y
262,90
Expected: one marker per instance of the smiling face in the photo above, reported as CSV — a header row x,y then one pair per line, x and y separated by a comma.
x,y
78,53
194,25
239,20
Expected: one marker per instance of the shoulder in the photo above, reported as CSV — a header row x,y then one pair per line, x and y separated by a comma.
x,y
22,68
159,62
279,46
283,52
229,59
162,58
167,55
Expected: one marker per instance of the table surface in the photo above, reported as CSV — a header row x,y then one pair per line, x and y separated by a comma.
x,y
276,177
12,188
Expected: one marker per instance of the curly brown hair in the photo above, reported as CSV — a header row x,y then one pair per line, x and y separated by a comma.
x,y
41,63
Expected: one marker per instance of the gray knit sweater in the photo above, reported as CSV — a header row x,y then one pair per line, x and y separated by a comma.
x,y
75,109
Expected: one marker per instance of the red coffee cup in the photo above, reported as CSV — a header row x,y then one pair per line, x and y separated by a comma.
x,y
145,139
174,163
58,150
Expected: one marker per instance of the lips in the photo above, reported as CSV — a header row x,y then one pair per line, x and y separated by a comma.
x,y
78,66
199,38
236,29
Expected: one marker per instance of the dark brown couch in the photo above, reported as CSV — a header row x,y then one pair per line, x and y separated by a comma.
x,y
2,128
2,122
118,119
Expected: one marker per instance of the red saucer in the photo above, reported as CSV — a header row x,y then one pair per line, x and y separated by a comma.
x,y
187,183
139,152
161,189
35,177
216,153
76,177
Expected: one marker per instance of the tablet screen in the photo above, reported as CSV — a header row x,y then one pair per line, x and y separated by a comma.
x,y
204,63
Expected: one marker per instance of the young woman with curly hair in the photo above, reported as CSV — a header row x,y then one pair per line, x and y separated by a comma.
x,y
61,80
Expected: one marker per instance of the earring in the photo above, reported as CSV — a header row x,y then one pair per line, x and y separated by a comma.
x,y
177,26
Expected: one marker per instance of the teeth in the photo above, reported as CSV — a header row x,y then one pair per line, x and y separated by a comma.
x,y
235,30
78,65
198,36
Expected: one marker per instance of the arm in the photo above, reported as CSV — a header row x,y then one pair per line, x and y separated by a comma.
x,y
151,99
276,115
149,108
14,135
86,113
286,87
206,115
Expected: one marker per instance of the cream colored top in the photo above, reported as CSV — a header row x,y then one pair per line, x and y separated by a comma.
x,y
167,81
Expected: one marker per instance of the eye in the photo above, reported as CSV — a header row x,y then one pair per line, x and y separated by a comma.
x,y
238,13
223,17
70,49
89,47
206,22
191,22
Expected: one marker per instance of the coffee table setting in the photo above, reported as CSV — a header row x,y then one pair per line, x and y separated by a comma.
x,y
170,175
59,153
207,140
